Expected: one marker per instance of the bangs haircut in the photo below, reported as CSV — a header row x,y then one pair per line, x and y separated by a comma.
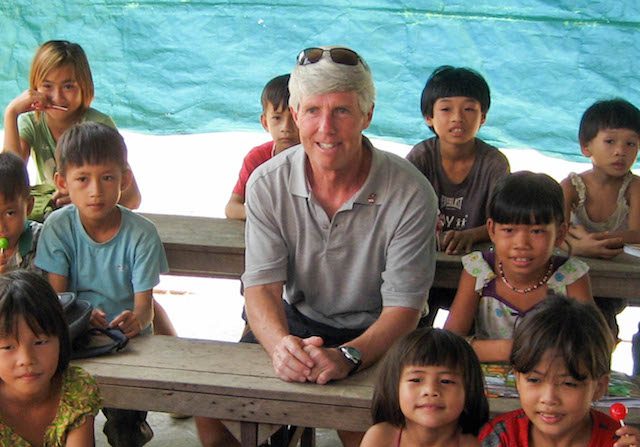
x,y
27,294
574,331
527,198
430,347
55,54
14,178
276,93
447,81
614,113
90,143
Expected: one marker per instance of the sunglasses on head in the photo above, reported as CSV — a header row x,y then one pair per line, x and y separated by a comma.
x,y
343,56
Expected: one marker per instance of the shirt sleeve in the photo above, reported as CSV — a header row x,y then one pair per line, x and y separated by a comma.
x,y
411,255
266,254
53,253
149,260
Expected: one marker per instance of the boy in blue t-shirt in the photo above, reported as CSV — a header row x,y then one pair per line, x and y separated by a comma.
x,y
103,252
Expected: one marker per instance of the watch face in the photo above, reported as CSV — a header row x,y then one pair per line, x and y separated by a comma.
x,y
352,354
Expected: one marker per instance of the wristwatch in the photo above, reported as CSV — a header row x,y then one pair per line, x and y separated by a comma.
x,y
353,355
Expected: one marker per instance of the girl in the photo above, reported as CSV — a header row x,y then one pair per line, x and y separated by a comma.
x,y
561,358
525,224
43,401
430,392
60,94
604,202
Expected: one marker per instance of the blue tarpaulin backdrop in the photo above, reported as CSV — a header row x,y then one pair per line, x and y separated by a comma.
x,y
165,67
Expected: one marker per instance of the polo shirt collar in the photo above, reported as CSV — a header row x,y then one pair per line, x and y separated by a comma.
x,y
373,191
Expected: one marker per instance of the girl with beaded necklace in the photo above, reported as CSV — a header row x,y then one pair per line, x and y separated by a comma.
x,y
525,223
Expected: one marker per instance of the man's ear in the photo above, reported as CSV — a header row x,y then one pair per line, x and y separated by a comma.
x,y
429,120
483,119
585,150
61,183
294,114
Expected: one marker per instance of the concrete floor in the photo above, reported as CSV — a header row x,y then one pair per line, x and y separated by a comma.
x,y
169,432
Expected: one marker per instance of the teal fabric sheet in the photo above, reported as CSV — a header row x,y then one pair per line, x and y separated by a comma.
x,y
166,67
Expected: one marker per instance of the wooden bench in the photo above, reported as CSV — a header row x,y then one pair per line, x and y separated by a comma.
x,y
236,382
213,247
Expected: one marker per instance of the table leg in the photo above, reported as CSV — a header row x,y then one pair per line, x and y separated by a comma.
x,y
248,434
308,438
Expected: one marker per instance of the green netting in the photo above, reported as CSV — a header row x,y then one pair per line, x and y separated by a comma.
x,y
166,67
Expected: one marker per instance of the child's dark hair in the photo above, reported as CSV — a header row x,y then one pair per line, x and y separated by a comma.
x,y
577,332
27,294
527,198
447,81
425,347
90,143
609,114
276,93
14,178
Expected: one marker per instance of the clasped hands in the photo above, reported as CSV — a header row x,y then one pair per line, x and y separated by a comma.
x,y
127,321
595,245
298,359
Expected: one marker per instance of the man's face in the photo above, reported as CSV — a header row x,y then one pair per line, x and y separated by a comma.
x,y
331,126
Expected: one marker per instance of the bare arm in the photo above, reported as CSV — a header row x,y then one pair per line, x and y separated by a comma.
x,y
268,323
461,317
581,290
25,102
461,242
235,207
130,322
82,436
392,323
58,282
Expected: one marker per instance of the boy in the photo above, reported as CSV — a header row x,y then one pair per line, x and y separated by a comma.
x,y
102,251
462,168
277,120
15,204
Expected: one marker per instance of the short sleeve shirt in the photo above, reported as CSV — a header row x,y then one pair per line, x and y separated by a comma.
x,y
24,256
463,205
79,398
105,274
43,146
252,160
512,430
377,251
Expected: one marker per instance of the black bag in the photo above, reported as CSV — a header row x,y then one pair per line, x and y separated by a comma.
x,y
85,340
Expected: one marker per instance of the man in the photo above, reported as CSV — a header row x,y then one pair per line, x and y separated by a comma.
x,y
346,231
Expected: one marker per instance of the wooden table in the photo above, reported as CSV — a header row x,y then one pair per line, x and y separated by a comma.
x,y
206,246
235,381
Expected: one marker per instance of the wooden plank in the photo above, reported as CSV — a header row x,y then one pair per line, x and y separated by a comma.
x,y
205,246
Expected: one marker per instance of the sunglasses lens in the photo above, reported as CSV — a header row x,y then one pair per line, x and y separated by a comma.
x,y
310,56
344,56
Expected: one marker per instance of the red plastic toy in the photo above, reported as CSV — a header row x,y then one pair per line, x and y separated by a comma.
x,y
618,411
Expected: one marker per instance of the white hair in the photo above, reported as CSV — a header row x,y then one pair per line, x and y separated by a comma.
x,y
326,76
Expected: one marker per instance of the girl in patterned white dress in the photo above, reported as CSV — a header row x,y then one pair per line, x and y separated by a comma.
x,y
526,223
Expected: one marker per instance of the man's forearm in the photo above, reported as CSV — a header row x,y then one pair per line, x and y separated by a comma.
x,y
265,314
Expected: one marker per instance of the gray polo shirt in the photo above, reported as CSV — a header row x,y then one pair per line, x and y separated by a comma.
x,y
379,249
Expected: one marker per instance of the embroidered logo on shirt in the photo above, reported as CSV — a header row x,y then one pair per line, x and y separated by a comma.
x,y
372,198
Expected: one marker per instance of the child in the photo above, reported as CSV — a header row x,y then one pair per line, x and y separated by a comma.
x,y
60,94
463,169
430,391
561,358
277,120
43,400
15,204
526,222
604,202
98,249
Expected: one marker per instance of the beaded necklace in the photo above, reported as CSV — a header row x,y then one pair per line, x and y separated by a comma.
x,y
542,281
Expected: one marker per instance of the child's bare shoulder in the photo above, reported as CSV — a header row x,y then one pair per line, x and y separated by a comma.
x,y
381,434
